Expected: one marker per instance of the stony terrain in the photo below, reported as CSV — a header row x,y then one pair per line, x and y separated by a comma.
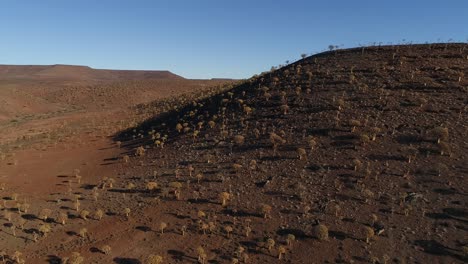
x,y
348,156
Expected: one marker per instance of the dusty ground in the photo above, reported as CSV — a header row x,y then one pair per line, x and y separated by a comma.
x,y
50,128
384,133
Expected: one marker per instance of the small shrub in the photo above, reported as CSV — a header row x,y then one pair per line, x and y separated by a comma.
x,y
321,232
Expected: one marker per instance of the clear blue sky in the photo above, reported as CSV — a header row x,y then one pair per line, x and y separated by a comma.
x,y
212,38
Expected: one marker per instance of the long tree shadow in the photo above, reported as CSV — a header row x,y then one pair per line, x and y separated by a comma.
x,y
339,235
126,261
53,259
435,248
180,256
293,231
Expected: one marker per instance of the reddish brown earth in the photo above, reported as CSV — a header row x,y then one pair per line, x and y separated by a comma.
x,y
51,125
367,110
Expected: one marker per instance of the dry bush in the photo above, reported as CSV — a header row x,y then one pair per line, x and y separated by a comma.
x,y
320,232
239,140
154,259
75,258
140,151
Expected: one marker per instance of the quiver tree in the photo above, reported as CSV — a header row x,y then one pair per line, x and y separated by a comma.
x,y
353,123
228,230
83,232
190,170
276,141
98,214
201,255
374,131
281,251
21,223
284,109
369,232
179,128
77,204
411,153
440,133
302,154
162,226
247,231
237,167
211,124
312,142
24,207
13,229
444,148
62,218
106,249
44,214
176,186
7,215
357,165
151,186
265,209
199,177
84,214
252,165
224,197
270,243
127,212
44,229
17,256
290,239
201,214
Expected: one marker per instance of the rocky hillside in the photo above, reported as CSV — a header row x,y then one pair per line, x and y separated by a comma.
x,y
364,146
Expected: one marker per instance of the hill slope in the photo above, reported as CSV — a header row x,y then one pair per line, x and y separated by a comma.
x,y
368,142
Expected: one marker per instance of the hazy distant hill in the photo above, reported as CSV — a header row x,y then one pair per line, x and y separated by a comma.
x,y
77,73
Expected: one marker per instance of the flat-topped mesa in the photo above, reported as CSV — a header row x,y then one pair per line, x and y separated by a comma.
x,y
77,72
